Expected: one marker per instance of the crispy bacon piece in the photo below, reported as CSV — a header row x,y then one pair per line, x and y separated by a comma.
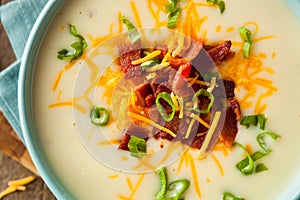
x,y
219,52
230,129
229,88
150,100
124,142
177,62
134,72
173,126
128,54
236,108
163,87
198,141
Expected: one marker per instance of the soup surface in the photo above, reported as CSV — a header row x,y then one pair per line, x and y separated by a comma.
x,y
265,81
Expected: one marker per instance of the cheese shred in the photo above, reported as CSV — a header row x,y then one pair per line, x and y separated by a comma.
x,y
146,58
195,176
189,130
215,159
57,80
201,121
209,135
16,185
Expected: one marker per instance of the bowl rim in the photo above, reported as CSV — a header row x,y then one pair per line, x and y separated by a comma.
x,y
26,76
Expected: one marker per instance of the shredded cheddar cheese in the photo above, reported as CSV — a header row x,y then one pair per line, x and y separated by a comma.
x,y
164,60
218,28
137,185
158,67
57,80
184,158
215,159
109,142
146,58
129,183
195,175
109,80
249,148
16,185
175,101
209,135
212,85
114,176
230,29
189,130
136,14
69,65
180,103
201,121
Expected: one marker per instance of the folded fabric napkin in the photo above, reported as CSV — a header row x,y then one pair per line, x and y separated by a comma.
x,y
17,18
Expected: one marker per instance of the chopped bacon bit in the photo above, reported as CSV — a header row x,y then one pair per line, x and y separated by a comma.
x,y
142,92
198,141
134,72
236,108
163,87
220,52
128,53
177,62
150,100
229,88
124,142
230,128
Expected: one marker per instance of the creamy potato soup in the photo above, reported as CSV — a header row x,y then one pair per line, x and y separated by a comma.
x,y
261,42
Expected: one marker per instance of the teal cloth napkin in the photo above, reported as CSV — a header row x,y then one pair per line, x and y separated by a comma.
x,y
17,18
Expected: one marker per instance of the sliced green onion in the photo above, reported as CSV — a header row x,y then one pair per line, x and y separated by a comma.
x,y
167,97
261,141
261,121
220,4
164,182
261,167
148,64
176,189
255,120
245,162
246,36
171,6
230,196
249,168
173,18
99,116
78,46
207,94
246,49
137,146
174,13
133,33
249,120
